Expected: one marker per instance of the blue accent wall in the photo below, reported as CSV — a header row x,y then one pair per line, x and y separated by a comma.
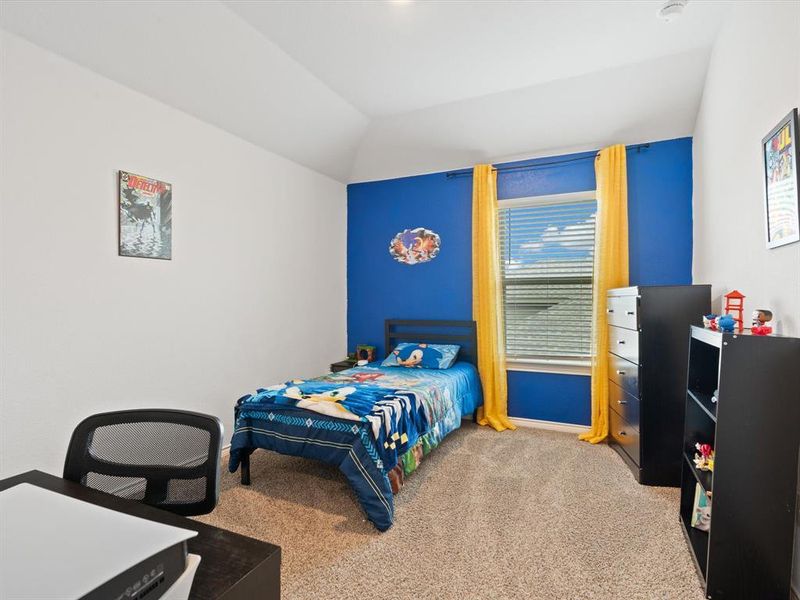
x,y
378,287
550,397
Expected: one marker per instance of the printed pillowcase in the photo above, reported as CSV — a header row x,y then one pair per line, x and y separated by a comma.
x,y
422,356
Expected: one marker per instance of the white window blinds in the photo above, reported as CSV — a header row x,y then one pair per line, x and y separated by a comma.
x,y
547,256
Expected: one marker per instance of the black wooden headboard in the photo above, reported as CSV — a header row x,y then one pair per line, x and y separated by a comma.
x,y
462,333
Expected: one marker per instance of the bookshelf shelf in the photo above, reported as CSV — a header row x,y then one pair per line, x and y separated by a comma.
x,y
698,541
704,402
704,478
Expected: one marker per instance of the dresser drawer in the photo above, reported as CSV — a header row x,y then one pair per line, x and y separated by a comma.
x,y
624,373
625,435
623,311
626,405
624,342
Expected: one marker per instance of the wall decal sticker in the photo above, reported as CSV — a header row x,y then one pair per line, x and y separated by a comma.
x,y
145,217
414,246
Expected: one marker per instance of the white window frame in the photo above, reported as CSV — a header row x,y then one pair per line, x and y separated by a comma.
x,y
550,365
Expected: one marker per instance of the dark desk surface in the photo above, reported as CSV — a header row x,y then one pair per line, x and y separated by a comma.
x,y
231,566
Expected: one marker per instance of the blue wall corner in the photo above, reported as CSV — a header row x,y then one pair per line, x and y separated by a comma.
x,y
378,287
660,213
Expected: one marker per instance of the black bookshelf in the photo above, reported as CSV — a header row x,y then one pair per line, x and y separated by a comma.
x,y
754,428
795,585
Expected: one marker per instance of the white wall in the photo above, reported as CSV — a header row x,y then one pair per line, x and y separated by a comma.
x,y
200,57
652,100
753,81
255,293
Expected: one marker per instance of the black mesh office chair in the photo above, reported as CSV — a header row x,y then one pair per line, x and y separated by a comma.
x,y
166,458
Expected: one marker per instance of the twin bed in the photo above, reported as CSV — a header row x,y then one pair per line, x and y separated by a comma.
x,y
375,423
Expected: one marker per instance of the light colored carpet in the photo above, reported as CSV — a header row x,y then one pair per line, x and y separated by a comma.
x,y
526,514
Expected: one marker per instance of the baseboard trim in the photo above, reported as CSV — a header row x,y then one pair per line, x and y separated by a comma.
x,y
549,425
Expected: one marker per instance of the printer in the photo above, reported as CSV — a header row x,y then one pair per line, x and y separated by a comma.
x,y
56,547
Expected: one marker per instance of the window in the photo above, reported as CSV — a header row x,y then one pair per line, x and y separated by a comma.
x,y
547,266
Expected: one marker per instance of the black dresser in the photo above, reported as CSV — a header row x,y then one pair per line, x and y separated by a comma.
x,y
648,332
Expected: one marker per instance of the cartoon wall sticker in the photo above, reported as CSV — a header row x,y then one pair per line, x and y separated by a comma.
x,y
414,246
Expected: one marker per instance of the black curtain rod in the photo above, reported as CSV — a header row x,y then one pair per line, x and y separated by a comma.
x,y
541,165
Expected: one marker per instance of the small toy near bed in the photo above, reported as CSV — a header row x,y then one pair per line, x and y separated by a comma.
x,y
376,422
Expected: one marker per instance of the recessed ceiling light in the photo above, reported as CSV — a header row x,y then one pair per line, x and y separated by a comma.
x,y
671,9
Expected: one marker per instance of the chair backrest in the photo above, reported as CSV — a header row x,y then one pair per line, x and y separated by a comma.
x,y
165,458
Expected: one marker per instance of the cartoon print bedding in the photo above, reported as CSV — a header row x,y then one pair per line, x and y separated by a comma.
x,y
375,423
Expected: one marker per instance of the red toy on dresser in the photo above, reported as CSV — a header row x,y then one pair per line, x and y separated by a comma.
x,y
735,301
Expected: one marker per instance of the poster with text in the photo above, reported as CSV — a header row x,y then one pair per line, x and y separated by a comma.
x,y
782,197
145,217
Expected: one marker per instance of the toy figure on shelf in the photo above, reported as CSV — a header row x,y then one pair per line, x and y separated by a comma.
x,y
704,457
719,322
761,317
726,323
734,301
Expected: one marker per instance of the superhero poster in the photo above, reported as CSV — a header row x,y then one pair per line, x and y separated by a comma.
x,y
145,217
780,183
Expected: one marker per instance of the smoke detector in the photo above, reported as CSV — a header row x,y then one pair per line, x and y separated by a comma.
x,y
671,10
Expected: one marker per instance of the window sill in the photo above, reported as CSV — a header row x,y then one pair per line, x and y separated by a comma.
x,y
561,367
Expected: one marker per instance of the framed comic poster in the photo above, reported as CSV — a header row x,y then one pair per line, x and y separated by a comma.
x,y
782,195
145,217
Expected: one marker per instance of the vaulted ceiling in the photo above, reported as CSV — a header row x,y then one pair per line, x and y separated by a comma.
x,y
369,90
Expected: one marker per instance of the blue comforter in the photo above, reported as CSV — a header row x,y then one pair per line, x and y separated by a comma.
x,y
375,423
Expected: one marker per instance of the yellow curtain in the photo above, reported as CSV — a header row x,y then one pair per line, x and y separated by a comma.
x,y
487,306
610,271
